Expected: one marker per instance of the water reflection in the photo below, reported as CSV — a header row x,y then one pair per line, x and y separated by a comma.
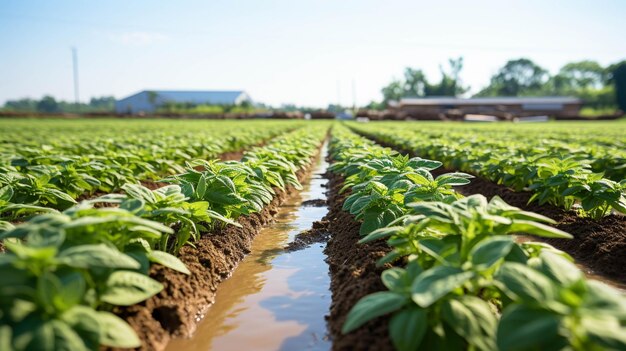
x,y
275,300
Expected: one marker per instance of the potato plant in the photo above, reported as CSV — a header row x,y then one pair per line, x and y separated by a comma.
x,y
43,166
460,280
585,170
66,268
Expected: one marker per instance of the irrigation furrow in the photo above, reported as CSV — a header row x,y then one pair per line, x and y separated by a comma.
x,y
278,296
183,303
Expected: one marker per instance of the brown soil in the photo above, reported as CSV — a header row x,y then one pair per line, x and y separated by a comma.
x,y
353,274
152,185
599,245
1,246
318,234
176,310
232,155
88,196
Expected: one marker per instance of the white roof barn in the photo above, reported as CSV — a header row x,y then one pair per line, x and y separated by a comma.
x,y
506,107
149,101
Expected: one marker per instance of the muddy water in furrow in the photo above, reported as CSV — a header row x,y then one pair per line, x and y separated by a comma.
x,y
275,300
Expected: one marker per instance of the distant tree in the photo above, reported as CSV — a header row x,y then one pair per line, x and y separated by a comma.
x,y
373,105
415,83
579,75
288,108
48,105
246,104
617,77
335,108
104,103
393,92
21,105
517,77
450,84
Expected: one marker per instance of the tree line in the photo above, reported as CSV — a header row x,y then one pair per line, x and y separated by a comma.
x,y
601,88
49,104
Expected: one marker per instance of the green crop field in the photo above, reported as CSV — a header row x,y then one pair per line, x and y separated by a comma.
x,y
97,216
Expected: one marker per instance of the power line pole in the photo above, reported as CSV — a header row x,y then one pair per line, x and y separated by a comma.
x,y
338,92
75,64
353,96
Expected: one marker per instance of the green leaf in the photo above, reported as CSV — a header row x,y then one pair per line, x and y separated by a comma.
x,y
6,193
372,306
417,162
395,279
530,227
491,250
360,203
605,331
407,328
418,179
60,293
88,256
65,338
168,260
115,332
84,321
139,192
521,282
372,220
33,333
436,282
5,338
453,179
471,318
524,328
604,299
127,288
201,188
559,268
132,205
381,233
388,258
377,187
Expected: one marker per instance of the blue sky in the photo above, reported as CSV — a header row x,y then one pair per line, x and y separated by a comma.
x,y
303,52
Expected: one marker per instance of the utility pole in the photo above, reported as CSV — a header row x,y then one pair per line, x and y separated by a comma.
x,y
353,97
75,64
338,92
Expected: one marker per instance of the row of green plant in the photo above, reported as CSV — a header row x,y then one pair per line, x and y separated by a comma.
x,y
82,160
458,278
63,273
581,169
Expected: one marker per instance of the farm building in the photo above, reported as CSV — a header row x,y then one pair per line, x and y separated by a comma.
x,y
502,107
148,101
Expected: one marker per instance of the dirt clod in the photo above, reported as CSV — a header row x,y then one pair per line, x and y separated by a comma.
x,y
318,234
314,203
